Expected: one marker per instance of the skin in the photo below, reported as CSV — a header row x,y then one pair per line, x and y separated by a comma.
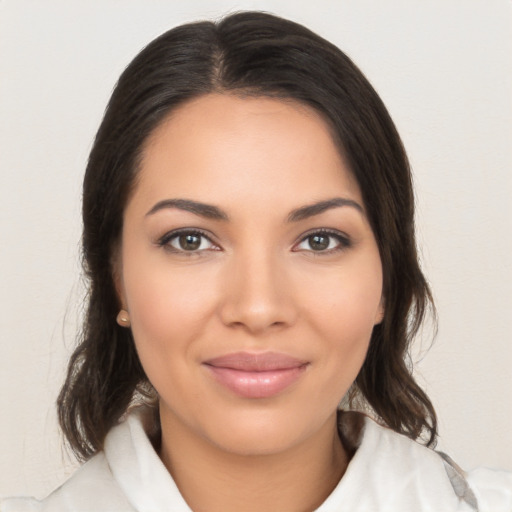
x,y
255,285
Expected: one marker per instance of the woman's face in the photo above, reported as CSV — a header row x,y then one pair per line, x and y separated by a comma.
x,y
250,273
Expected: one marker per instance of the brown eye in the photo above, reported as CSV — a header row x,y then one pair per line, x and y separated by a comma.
x,y
324,242
319,242
189,242
185,241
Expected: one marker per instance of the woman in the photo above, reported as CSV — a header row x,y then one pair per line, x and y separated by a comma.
x,y
249,241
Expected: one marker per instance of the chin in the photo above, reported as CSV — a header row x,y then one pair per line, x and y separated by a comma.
x,y
261,433
254,443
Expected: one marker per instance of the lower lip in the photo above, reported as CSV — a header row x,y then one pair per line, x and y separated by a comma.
x,y
250,384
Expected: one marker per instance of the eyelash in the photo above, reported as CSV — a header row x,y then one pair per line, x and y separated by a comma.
x,y
165,241
343,241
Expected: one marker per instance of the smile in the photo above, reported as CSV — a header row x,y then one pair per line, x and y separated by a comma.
x,y
256,375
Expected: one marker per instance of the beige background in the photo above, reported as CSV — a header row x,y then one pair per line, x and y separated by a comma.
x,y
443,68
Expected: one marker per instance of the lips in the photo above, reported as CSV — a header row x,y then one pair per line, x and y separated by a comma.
x,y
256,375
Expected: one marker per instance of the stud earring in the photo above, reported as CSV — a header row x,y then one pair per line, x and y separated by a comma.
x,y
123,318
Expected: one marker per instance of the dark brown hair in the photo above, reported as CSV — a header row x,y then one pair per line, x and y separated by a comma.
x,y
247,53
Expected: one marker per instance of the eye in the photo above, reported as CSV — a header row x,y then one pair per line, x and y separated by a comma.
x,y
323,241
187,241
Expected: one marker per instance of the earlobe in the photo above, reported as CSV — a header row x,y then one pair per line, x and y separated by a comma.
x,y
123,318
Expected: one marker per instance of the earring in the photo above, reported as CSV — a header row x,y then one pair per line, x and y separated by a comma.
x,y
123,319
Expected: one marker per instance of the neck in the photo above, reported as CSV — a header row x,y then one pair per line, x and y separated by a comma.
x,y
214,480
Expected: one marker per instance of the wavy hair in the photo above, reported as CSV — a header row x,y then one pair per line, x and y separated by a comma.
x,y
256,54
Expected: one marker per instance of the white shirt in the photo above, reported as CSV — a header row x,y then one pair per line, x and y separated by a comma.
x,y
388,473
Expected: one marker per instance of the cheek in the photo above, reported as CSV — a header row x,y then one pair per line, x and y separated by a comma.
x,y
169,309
347,302
346,325
343,311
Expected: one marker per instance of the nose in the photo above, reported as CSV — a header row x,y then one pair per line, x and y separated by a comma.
x,y
257,295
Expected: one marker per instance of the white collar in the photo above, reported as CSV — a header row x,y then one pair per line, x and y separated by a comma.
x,y
388,471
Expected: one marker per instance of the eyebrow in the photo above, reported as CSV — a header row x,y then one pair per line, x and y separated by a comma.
x,y
204,210
213,212
304,212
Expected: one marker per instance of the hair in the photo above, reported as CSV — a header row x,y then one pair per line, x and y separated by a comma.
x,y
247,54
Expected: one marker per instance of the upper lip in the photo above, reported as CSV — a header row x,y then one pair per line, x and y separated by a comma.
x,y
256,362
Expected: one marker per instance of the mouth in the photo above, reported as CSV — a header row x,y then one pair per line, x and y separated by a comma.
x,y
256,375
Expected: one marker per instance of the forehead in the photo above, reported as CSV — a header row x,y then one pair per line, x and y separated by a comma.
x,y
223,146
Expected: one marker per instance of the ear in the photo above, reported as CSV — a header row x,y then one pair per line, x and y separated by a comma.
x,y
116,265
381,310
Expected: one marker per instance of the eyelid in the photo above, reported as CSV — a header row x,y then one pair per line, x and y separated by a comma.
x,y
164,241
344,240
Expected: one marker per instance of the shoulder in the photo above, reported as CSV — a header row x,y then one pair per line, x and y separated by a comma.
x,y
92,487
127,476
492,488
392,472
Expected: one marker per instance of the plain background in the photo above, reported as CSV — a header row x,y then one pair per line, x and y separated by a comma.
x,y
442,67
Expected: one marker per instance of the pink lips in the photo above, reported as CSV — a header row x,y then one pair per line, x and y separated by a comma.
x,y
256,375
